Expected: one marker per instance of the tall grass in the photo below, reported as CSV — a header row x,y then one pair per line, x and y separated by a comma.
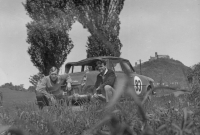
x,y
161,118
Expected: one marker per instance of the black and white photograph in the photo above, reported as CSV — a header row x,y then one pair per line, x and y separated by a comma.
x,y
99,67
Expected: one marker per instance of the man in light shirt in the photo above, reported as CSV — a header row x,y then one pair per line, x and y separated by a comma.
x,y
49,88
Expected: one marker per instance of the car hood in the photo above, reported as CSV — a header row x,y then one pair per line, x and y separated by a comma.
x,y
142,76
132,75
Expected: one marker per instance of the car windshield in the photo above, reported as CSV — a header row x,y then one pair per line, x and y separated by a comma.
x,y
77,69
82,68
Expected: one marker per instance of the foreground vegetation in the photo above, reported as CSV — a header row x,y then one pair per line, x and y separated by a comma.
x,y
165,116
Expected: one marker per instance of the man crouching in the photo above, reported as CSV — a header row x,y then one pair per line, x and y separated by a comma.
x,y
49,88
105,81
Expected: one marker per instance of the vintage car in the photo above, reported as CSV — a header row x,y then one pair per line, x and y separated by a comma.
x,y
84,73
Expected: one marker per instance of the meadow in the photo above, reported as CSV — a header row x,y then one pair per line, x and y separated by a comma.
x,y
162,115
12,96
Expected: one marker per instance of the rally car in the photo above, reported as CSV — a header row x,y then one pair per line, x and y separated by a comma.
x,y
84,73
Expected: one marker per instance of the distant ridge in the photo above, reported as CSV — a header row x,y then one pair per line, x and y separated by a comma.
x,y
168,72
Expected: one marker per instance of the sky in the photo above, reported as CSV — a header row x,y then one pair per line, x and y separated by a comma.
x,y
168,27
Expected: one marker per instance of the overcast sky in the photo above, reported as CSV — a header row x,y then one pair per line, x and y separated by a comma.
x,y
169,27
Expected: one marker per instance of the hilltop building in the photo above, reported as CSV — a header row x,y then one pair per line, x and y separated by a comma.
x,y
159,56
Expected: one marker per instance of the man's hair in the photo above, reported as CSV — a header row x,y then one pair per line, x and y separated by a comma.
x,y
53,69
99,62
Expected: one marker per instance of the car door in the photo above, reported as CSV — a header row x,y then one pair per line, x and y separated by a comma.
x,y
117,68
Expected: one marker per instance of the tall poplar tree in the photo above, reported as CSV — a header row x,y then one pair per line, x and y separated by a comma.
x,y
101,18
48,32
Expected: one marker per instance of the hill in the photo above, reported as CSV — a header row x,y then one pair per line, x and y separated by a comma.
x,y
165,71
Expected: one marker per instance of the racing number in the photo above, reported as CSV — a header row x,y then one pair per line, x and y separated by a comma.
x,y
138,85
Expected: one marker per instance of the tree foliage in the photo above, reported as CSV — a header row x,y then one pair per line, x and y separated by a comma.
x,y
96,47
31,88
49,46
194,74
13,87
101,18
50,11
193,77
48,33
52,20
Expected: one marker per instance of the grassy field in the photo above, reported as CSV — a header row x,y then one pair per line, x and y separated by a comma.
x,y
163,115
11,96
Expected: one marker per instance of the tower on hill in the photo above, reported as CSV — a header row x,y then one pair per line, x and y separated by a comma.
x,y
159,56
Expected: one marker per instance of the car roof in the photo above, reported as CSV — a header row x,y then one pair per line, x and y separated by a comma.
x,y
89,60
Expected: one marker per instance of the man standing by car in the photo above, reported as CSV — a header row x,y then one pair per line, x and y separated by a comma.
x,y
105,81
49,88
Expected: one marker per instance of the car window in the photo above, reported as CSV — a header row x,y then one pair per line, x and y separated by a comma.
x,y
88,68
70,70
128,67
117,67
77,69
